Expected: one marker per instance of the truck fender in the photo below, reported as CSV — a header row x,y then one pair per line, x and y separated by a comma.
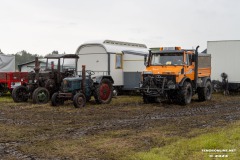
x,y
183,80
98,79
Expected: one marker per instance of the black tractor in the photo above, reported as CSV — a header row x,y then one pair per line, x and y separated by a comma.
x,y
80,88
42,84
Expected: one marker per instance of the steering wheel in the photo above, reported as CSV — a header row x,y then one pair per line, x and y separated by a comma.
x,y
69,72
90,72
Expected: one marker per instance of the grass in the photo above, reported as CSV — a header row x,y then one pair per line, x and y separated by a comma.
x,y
191,149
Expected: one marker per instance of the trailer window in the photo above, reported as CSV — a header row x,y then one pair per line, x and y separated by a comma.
x,y
118,61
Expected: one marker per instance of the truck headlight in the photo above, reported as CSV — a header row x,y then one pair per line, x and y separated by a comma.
x,y
171,84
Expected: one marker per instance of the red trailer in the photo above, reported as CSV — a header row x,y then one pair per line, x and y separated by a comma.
x,y
10,80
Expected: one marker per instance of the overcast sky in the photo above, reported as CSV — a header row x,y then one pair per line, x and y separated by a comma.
x,y
41,26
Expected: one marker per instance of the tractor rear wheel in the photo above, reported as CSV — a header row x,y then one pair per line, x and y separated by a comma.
x,y
79,100
206,92
185,93
56,101
20,94
103,92
40,95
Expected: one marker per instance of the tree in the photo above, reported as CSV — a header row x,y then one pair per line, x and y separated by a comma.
x,y
54,52
24,56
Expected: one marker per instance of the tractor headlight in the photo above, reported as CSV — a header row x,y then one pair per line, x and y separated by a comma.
x,y
94,79
171,84
65,82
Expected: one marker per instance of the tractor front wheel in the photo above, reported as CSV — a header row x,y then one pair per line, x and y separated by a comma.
x,y
20,94
40,95
103,92
79,100
56,101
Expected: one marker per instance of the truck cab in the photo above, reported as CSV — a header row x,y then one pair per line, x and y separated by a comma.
x,y
176,74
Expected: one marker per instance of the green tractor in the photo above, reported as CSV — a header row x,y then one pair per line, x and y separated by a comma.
x,y
81,88
43,83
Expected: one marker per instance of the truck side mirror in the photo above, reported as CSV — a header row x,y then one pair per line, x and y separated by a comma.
x,y
145,60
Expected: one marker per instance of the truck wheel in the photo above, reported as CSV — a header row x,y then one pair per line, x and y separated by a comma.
x,y
79,100
56,101
206,92
185,93
40,95
103,92
20,94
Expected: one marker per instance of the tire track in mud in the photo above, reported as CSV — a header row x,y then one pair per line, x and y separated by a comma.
x,y
229,112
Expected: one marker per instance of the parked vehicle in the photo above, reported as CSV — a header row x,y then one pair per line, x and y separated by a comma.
x,y
79,89
176,74
107,58
225,64
10,80
42,84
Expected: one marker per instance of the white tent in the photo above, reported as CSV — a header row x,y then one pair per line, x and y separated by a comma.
x,y
7,63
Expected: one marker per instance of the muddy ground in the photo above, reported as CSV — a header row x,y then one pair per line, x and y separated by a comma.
x,y
114,131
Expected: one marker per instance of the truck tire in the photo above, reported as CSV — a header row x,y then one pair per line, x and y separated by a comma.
x,y
20,94
103,92
40,96
185,93
55,100
205,93
79,100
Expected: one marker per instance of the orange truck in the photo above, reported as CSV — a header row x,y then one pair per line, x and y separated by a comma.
x,y
176,74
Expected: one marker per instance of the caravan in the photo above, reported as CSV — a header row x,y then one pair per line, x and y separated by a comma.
x,y
107,58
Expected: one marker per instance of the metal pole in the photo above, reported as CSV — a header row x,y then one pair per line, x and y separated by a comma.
x,y
83,78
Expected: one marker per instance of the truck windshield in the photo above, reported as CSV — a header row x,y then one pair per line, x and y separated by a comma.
x,y
167,59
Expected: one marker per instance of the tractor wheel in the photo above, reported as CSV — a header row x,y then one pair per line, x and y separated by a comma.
x,y
103,92
56,101
20,94
185,93
206,92
40,95
79,100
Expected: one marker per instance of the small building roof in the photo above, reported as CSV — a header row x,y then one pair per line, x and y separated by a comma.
x,y
56,56
40,60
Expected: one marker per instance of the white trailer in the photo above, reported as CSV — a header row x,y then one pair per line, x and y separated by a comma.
x,y
107,57
225,59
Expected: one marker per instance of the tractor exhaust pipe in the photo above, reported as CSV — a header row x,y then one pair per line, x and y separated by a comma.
x,y
37,68
83,78
196,67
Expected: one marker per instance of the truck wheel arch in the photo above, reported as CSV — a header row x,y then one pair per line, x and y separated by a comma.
x,y
183,80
